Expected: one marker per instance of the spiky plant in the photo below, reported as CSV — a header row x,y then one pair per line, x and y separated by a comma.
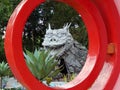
x,y
41,64
4,71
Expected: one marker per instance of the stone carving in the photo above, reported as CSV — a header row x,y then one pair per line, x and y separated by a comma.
x,y
68,51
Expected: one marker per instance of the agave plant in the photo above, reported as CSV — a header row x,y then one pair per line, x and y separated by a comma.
x,y
4,71
41,64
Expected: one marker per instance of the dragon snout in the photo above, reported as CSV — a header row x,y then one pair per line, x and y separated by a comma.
x,y
53,39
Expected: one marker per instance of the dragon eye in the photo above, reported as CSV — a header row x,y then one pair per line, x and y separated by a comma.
x,y
59,35
48,35
63,33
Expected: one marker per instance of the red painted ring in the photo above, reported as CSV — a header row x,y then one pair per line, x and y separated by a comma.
x,y
110,11
97,45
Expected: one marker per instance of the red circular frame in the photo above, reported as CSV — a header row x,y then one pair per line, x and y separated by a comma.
x,y
97,44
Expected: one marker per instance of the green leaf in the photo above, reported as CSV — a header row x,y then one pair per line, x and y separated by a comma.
x,y
4,69
41,64
51,67
56,72
42,58
36,53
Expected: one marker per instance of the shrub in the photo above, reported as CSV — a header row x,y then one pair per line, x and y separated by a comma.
x,y
41,64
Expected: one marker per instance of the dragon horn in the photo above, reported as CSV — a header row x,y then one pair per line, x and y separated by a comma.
x,y
49,26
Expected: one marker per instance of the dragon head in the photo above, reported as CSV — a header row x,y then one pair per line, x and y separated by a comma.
x,y
57,37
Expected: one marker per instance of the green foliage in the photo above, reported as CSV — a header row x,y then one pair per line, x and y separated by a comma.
x,y
62,14
41,64
4,69
2,54
80,34
6,9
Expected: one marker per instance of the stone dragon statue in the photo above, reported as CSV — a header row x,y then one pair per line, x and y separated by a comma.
x,y
61,43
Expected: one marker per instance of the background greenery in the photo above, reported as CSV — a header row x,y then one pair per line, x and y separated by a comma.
x,y
6,8
55,13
